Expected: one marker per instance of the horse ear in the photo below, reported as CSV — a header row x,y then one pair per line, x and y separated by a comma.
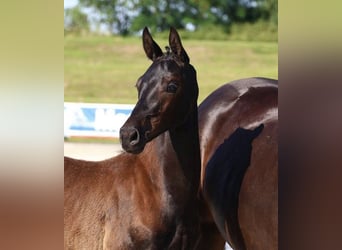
x,y
152,50
176,45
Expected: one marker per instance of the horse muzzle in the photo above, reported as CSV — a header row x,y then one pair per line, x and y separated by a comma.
x,y
132,140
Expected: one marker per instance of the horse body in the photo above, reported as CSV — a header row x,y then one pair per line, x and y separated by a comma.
x,y
242,104
127,202
146,198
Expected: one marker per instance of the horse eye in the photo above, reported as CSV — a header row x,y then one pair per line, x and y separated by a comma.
x,y
171,87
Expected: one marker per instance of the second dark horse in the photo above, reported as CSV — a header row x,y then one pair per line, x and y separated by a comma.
x,y
238,125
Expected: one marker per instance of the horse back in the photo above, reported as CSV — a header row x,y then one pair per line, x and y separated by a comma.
x,y
92,203
114,204
84,188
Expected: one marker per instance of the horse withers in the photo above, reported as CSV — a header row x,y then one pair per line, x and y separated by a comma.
x,y
146,197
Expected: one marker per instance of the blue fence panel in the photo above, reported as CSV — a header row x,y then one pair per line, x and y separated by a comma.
x,y
95,120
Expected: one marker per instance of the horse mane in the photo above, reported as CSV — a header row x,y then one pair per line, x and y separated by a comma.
x,y
168,50
170,55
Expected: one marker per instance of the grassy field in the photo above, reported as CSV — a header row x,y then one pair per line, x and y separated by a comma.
x,y
104,69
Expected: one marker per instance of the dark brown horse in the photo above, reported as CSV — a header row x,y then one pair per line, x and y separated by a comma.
x,y
146,198
238,126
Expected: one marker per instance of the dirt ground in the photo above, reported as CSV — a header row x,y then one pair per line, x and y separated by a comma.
x,y
91,151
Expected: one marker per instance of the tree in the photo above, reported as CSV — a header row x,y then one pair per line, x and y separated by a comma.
x,y
116,14
269,10
128,16
160,15
75,20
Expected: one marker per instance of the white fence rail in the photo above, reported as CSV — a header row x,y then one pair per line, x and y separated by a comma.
x,y
94,119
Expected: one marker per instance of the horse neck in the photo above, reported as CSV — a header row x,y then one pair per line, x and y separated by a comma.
x,y
178,155
185,144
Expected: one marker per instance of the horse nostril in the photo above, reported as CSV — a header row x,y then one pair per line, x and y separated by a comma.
x,y
134,137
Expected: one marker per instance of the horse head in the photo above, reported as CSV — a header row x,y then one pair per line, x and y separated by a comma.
x,y
167,92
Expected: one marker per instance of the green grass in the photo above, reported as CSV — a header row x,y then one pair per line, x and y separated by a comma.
x,y
104,69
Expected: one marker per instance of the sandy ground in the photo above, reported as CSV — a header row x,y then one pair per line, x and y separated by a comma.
x,y
91,151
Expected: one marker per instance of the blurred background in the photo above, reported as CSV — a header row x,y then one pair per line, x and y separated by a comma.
x,y
218,19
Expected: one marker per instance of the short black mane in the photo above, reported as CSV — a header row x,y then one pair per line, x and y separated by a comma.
x,y
170,55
